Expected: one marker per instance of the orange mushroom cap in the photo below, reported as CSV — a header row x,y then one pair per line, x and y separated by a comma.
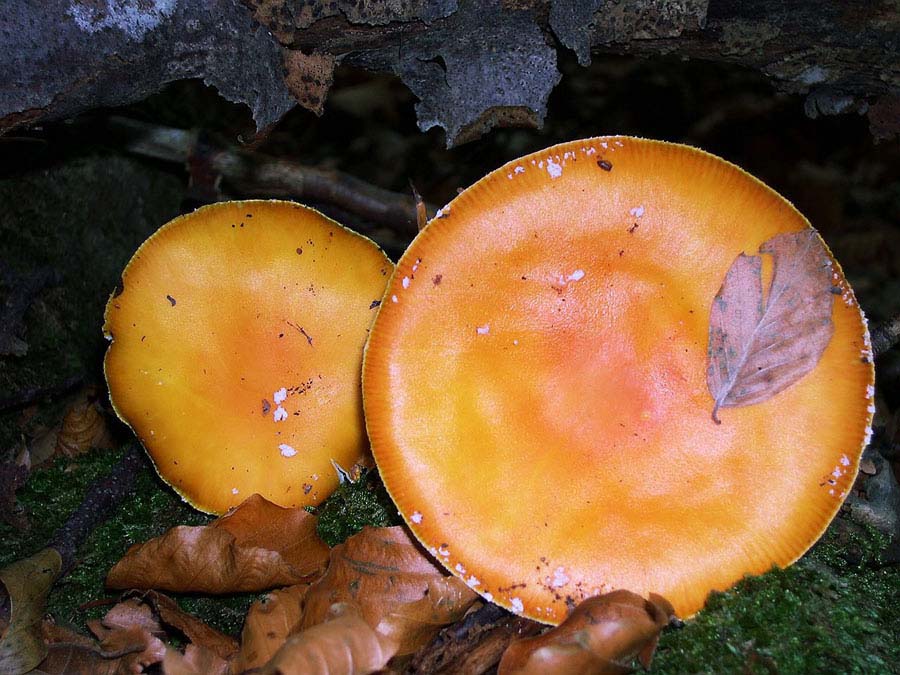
x,y
536,385
237,342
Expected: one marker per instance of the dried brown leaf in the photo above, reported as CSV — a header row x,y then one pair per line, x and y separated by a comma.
x,y
399,591
77,659
195,661
27,583
195,630
83,427
255,547
132,613
268,624
759,346
602,635
343,643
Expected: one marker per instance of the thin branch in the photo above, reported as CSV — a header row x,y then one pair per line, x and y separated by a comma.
x,y
885,336
101,500
256,175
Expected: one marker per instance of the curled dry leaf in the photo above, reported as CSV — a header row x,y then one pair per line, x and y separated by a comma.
x,y
602,635
195,661
132,613
83,427
27,583
268,624
761,344
255,547
135,646
67,658
195,630
400,593
343,643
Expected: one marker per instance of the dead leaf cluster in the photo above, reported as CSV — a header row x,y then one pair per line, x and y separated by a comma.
x,y
371,603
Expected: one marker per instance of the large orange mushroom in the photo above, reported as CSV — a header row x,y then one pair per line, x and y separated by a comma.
x,y
617,364
237,341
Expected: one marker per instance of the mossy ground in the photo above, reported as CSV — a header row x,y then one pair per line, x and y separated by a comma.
x,y
826,614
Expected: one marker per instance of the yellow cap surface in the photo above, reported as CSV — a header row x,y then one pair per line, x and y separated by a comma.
x,y
536,394
236,351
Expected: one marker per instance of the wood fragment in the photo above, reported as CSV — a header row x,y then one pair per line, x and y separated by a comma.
x,y
472,646
250,174
100,501
885,336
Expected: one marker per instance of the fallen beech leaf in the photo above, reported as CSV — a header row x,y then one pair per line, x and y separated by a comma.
x,y
256,547
56,634
77,659
27,583
759,346
132,613
268,624
83,427
195,661
135,647
399,591
195,630
344,643
601,635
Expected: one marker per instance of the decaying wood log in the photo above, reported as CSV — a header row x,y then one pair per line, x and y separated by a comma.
x,y
472,64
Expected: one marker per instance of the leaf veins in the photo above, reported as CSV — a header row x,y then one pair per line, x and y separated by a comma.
x,y
759,346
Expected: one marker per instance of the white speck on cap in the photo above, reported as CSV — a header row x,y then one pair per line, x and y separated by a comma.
x,y
560,578
519,169
488,596
637,211
845,460
577,275
473,581
459,568
405,282
554,169
483,330
280,395
280,414
416,517
286,450
393,298
517,605
234,491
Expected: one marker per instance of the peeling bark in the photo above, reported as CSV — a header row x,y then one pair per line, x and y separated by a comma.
x,y
473,65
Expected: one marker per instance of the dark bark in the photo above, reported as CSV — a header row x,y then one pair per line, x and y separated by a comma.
x,y
473,65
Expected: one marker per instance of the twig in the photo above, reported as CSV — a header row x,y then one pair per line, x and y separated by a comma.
x,y
472,646
885,336
256,175
99,503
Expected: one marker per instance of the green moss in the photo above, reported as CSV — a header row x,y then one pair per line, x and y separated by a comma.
x,y
353,506
826,614
51,494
